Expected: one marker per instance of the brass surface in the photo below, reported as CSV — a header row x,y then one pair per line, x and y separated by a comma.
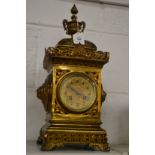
x,y
64,126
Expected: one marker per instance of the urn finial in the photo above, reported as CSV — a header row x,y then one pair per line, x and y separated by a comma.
x,y
73,26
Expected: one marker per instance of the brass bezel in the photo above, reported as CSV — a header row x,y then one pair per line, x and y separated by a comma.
x,y
70,74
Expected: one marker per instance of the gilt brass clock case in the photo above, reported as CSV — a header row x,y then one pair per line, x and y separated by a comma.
x,y
76,92
70,124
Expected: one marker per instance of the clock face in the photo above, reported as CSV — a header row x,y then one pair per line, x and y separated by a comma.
x,y
77,92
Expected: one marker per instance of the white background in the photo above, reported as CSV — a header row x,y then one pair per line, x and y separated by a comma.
x,y
107,27
13,77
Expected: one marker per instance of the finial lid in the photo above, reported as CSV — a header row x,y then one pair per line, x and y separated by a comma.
x,y
73,26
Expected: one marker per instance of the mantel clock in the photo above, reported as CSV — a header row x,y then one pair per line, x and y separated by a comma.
x,y
72,93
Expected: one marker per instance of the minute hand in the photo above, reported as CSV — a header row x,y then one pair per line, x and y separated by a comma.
x,y
77,92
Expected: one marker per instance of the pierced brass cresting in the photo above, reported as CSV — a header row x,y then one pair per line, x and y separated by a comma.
x,y
65,126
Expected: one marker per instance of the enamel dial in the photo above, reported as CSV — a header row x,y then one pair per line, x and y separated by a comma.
x,y
76,92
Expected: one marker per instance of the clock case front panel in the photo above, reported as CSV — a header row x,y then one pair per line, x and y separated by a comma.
x,y
60,113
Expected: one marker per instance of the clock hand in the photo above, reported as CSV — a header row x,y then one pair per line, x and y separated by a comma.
x,y
75,90
78,93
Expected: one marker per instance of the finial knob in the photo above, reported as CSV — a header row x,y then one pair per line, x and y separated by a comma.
x,y
73,26
74,10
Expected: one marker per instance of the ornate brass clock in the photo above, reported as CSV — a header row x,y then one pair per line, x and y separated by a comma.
x,y
72,93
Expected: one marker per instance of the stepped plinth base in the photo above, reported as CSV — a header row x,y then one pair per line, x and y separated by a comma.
x,y
55,137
